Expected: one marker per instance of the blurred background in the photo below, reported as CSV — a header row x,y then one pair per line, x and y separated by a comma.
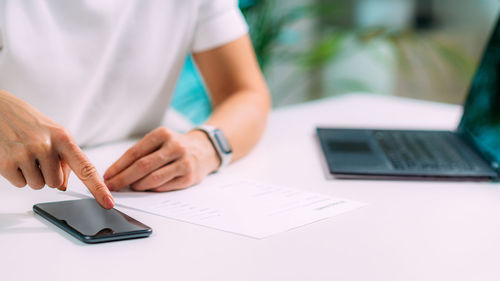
x,y
313,49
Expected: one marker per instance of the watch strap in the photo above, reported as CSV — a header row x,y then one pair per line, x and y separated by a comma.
x,y
220,144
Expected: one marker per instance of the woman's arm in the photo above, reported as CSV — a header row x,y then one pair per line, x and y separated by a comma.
x,y
164,160
239,93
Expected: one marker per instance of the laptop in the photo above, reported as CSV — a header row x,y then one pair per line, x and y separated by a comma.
x,y
471,152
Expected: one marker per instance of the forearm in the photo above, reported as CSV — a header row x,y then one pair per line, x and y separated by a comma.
x,y
242,117
239,93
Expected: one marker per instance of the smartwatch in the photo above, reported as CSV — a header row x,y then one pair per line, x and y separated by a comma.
x,y
220,144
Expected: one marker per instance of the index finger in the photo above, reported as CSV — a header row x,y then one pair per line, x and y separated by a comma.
x,y
143,147
86,172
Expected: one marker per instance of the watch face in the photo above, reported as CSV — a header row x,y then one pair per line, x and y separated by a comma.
x,y
222,142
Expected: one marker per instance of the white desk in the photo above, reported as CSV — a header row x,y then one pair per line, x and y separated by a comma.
x,y
409,230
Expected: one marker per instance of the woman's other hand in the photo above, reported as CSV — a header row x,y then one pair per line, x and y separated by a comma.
x,y
162,161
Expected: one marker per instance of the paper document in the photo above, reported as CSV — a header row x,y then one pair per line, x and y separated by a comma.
x,y
239,206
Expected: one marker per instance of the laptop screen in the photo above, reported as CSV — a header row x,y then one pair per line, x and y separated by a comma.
x,y
481,119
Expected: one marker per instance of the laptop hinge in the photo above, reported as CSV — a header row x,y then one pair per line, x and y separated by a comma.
x,y
489,159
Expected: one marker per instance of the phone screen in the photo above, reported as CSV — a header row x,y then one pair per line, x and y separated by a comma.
x,y
90,223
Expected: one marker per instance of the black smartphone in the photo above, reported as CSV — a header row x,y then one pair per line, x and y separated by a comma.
x,y
90,223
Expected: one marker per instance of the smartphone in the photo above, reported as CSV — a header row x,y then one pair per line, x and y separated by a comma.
x,y
90,223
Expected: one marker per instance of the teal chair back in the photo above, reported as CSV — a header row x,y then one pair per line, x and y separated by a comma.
x,y
190,97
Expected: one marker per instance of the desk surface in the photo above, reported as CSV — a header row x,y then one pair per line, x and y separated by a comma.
x,y
408,231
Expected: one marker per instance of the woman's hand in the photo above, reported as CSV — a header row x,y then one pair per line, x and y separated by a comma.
x,y
162,161
36,151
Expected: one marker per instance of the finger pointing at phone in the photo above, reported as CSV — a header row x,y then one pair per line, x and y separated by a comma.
x,y
84,170
36,151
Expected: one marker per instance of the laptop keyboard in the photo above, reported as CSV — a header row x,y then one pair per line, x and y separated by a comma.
x,y
420,151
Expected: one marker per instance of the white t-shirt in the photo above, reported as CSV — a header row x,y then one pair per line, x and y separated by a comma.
x,y
106,70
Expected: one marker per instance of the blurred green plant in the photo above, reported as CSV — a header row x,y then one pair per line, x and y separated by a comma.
x,y
266,25
271,23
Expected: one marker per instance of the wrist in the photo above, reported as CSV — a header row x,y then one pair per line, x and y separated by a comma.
x,y
219,142
204,151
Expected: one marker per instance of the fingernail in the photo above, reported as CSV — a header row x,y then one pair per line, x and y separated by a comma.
x,y
109,202
110,187
106,176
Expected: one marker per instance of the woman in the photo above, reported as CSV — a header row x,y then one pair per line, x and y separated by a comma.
x,y
86,72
